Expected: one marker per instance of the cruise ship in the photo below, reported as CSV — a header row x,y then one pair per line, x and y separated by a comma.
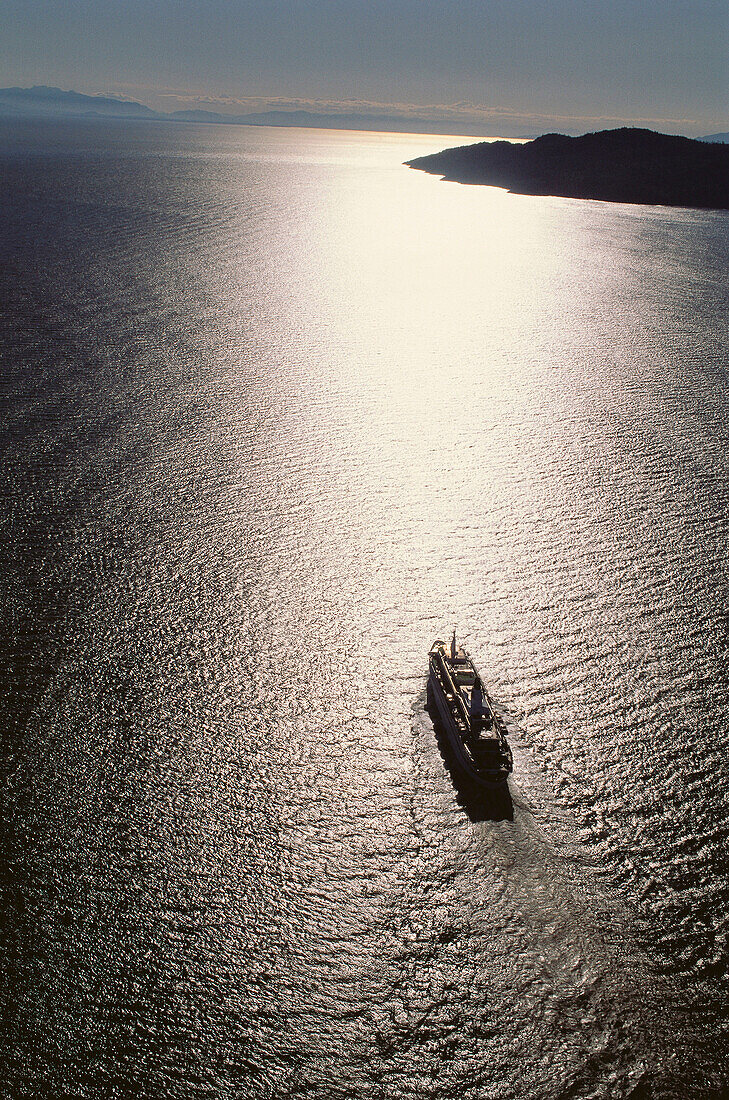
x,y
475,731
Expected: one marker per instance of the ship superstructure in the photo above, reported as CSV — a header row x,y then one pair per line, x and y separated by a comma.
x,y
475,731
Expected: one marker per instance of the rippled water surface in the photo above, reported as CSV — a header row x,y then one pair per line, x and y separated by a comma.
x,y
277,412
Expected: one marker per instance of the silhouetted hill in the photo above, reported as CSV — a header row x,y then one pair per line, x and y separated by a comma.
x,y
626,165
42,101
715,137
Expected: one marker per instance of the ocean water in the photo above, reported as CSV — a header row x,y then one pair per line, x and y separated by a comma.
x,y
276,413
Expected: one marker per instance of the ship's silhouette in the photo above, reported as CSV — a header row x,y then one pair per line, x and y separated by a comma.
x,y
478,803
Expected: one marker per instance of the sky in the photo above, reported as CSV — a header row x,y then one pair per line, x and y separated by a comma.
x,y
515,65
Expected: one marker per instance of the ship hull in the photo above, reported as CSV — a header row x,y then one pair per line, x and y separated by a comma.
x,y
448,720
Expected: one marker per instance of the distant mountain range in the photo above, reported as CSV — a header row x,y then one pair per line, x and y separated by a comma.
x,y
311,119
626,165
44,102
41,101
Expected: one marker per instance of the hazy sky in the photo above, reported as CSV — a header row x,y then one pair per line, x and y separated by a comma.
x,y
559,64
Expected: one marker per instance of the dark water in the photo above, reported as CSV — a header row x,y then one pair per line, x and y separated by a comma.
x,y
276,413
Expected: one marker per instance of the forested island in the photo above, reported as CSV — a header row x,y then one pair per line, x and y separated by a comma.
x,y
627,165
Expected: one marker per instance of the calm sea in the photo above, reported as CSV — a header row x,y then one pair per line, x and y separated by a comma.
x,y
276,413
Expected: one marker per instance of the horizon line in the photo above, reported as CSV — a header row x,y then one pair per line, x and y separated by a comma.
x,y
455,119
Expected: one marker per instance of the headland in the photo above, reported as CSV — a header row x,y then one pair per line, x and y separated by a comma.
x,y
628,165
